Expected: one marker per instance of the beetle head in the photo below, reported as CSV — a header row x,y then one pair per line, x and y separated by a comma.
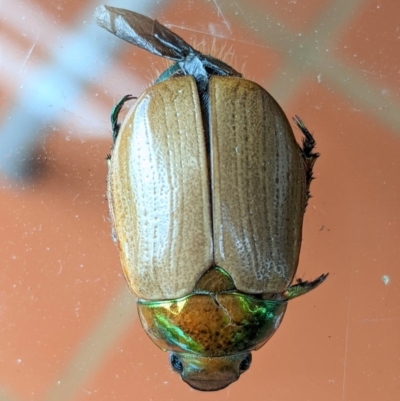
x,y
209,373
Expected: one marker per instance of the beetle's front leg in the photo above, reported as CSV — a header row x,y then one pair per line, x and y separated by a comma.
x,y
115,113
302,287
307,148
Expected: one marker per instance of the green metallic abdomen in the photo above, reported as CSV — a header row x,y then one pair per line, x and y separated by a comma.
x,y
211,325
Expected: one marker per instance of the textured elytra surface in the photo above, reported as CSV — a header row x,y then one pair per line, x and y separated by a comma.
x,y
258,187
159,192
176,216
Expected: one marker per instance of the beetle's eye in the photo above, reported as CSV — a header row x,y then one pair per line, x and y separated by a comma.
x,y
176,363
245,364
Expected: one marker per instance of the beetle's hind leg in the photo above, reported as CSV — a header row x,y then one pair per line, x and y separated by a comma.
x,y
307,148
115,125
302,287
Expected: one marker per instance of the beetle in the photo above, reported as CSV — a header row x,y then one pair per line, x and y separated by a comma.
x,y
207,188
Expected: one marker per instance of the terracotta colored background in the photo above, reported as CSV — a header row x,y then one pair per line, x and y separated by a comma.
x,y
68,326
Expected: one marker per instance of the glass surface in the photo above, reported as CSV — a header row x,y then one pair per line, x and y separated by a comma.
x,y
69,328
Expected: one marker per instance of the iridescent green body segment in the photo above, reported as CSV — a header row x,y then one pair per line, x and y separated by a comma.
x,y
208,325
212,325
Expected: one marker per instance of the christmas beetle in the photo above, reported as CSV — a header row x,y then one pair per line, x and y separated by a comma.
x,y
207,188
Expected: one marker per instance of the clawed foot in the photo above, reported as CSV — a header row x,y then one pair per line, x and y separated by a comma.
x,y
302,287
114,116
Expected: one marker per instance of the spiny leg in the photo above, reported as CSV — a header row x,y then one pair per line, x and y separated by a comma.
x,y
115,113
309,157
115,125
302,287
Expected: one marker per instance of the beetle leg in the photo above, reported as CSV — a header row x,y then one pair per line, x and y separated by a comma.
x,y
302,287
114,116
150,35
308,145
